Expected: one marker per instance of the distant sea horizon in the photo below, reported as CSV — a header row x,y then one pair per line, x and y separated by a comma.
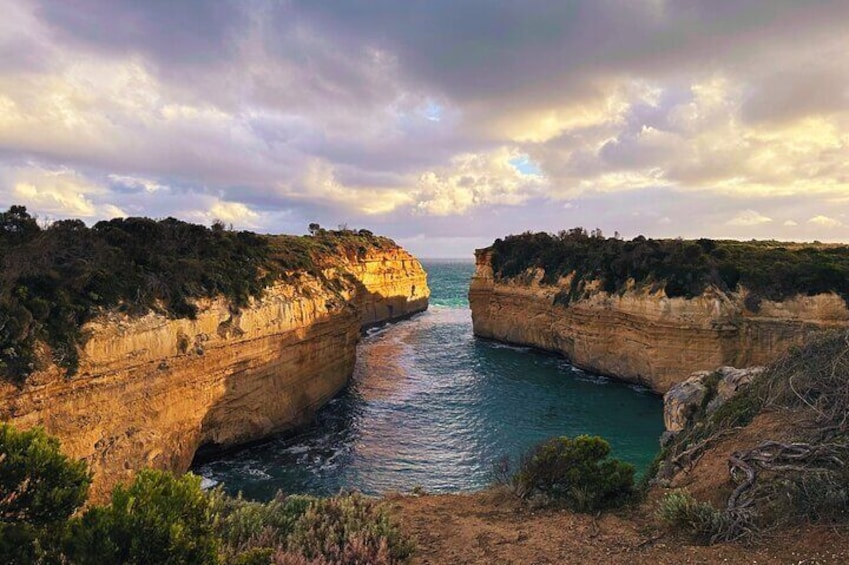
x,y
431,406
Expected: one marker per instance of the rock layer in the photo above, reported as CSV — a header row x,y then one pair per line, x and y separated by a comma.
x,y
151,390
642,335
702,392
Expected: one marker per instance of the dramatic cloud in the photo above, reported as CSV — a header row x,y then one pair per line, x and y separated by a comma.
x,y
501,177
442,124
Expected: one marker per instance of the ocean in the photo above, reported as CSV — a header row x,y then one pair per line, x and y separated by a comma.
x,y
431,406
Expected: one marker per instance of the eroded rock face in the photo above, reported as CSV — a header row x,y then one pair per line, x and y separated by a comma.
x,y
682,402
731,382
705,392
644,336
151,390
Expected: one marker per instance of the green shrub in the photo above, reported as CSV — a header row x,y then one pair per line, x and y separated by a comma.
x,y
349,529
39,490
247,527
163,519
54,280
159,518
577,472
817,497
254,556
701,521
341,530
38,484
769,269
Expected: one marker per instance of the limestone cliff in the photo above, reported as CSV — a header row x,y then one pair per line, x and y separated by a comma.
x,y
151,390
640,334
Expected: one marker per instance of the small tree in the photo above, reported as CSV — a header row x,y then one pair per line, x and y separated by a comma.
x,y
314,228
577,472
159,518
16,225
39,490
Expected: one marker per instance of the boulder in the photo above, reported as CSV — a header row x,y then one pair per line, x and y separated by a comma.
x,y
683,400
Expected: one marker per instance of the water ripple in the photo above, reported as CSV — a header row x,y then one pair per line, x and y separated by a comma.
x,y
431,406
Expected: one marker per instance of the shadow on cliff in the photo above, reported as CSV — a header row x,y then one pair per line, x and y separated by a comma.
x,y
306,368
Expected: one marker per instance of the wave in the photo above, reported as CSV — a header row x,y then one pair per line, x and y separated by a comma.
x,y
496,345
590,378
207,483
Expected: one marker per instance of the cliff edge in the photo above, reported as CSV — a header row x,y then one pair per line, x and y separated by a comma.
x,y
637,328
150,389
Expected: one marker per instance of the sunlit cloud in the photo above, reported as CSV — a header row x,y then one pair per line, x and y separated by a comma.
x,y
270,115
233,212
502,176
138,183
825,222
749,218
319,182
57,193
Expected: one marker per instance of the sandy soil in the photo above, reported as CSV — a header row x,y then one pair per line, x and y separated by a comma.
x,y
493,528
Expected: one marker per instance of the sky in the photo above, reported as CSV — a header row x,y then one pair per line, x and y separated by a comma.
x,y
443,124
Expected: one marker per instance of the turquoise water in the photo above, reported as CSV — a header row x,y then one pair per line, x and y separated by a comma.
x,y
432,406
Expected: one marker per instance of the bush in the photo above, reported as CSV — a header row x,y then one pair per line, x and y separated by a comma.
x,y
39,490
349,529
247,527
769,269
164,519
342,530
701,521
54,280
157,519
817,497
576,472
798,472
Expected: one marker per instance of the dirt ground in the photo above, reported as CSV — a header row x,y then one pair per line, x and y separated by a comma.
x,y
493,528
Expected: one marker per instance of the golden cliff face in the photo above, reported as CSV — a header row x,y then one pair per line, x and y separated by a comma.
x,y
642,336
151,390
390,285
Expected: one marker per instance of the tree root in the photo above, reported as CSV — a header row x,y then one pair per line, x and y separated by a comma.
x,y
774,456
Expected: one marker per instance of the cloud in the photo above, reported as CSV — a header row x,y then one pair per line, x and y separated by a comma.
x,y
319,182
234,212
128,182
57,193
392,115
825,221
477,179
748,218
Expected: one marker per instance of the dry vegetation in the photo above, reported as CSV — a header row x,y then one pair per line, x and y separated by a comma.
x,y
781,475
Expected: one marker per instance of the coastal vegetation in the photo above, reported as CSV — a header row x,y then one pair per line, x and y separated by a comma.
x,y
767,269
796,470
577,473
54,279
160,518
40,489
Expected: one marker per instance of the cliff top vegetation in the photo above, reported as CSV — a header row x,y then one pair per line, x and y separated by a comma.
x,y
54,279
768,269
789,432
